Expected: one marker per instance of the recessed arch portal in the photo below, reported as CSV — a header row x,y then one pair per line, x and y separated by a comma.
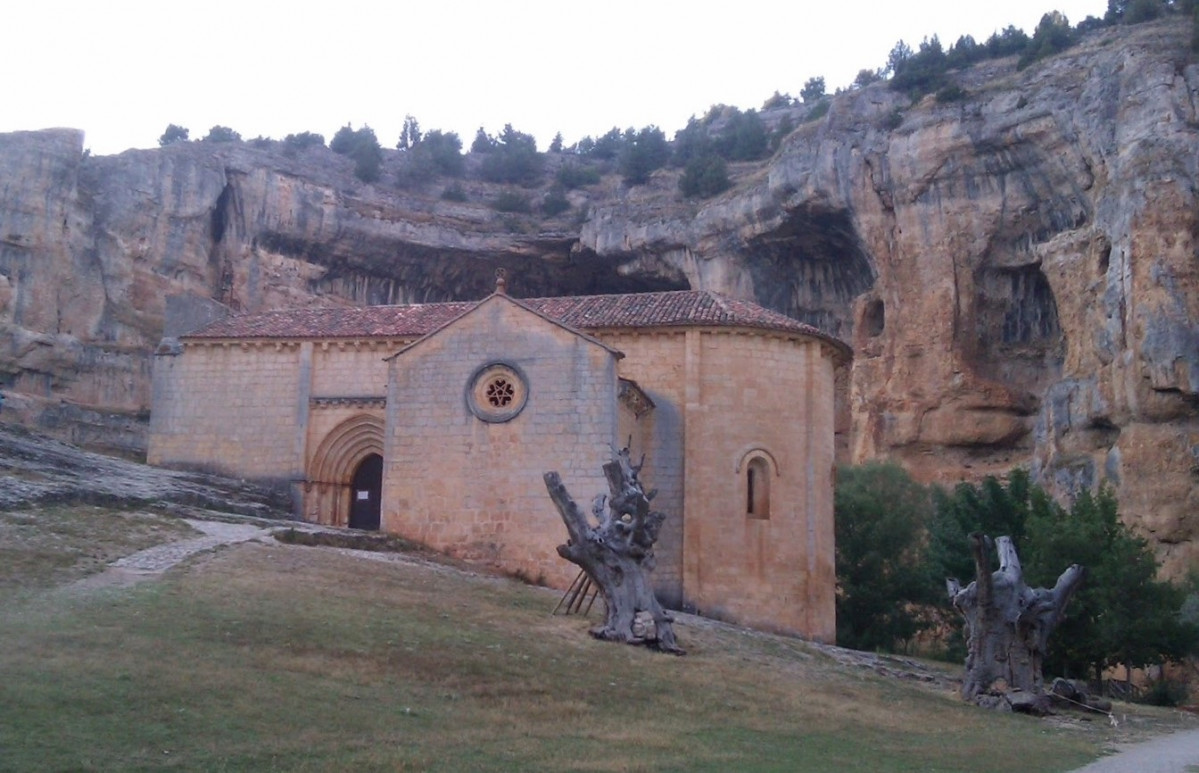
x,y
348,459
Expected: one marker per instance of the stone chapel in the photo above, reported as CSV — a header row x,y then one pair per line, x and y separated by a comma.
x,y
436,422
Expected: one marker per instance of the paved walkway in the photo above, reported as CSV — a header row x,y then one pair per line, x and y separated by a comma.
x,y
152,562
1174,753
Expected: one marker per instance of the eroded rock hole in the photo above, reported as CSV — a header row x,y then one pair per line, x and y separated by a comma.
x,y
220,213
874,318
1020,340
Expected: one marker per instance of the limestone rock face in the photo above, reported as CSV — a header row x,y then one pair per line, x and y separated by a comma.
x,y
1017,271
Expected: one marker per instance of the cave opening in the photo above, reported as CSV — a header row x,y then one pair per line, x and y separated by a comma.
x,y
1018,334
220,213
811,267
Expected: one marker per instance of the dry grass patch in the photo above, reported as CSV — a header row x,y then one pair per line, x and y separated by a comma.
x,y
275,657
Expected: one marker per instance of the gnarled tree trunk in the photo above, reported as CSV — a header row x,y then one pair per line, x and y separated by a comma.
x,y
1007,627
617,552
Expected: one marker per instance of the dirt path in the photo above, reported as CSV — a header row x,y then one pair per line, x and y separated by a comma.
x,y
1174,753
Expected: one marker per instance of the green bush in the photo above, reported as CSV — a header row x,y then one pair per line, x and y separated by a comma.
x,y
921,72
643,152
704,177
865,77
410,134
1007,43
882,582
555,202
362,146
1122,614
818,111
607,147
512,202
744,137
454,193
435,154
1053,34
173,134
512,158
691,142
571,176
221,134
777,100
813,90
303,141
1165,692
950,92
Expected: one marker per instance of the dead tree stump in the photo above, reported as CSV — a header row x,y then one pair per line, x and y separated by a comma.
x,y
1007,628
617,553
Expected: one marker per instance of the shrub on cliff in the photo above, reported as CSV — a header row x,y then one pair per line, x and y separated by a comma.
x,y
410,134
571,176
777,100
643,152
173,134
513,202
691,142
1053,34
813,90
744,137
221,134
436,154
555,202
704,176
512,158
362,146
921,72
303,141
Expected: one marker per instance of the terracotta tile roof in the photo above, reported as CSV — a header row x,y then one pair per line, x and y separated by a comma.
x,y
337,322
587,312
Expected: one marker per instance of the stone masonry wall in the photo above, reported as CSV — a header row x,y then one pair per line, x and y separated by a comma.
x,y
231,408
352,368
473,488
760,396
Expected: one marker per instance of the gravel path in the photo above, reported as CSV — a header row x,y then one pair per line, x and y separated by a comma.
x,y
1174,753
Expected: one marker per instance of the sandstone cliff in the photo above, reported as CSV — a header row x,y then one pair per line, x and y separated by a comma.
x,y
1018,272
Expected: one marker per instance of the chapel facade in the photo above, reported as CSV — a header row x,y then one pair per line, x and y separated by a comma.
x,y
437,421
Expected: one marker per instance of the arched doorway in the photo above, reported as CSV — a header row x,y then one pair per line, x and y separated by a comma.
x,y
365,494
334,474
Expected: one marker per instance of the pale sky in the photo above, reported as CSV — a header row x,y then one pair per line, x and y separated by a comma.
x,y
122,70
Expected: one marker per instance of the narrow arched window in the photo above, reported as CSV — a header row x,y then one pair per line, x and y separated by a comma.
x,y
757,488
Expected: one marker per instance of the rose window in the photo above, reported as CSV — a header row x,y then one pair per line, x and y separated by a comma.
x,y
497,392
500,392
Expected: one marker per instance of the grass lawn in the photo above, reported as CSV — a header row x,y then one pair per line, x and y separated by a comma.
x,y
282,657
